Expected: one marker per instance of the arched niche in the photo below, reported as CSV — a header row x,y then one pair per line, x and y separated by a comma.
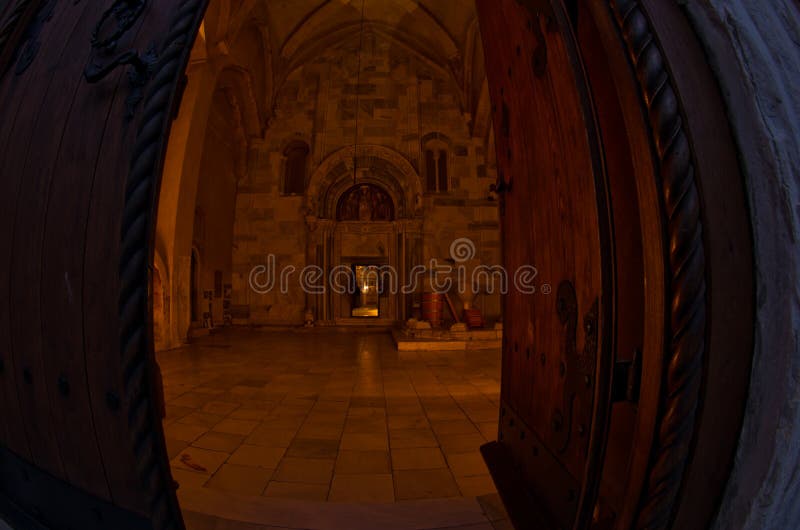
x,y
369,164
365,203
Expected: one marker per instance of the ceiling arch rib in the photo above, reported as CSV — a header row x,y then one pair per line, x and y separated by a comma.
x,y
349,33
405,15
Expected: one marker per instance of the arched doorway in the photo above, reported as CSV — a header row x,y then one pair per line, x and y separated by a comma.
x,y
678,238
363,211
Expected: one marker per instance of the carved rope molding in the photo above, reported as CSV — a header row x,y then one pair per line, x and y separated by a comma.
x,y
137,226
687,283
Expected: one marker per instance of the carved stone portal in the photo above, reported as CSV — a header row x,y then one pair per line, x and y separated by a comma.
x,y
365,202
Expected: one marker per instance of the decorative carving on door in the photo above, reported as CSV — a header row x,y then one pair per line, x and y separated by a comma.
x,y
687,292
157,110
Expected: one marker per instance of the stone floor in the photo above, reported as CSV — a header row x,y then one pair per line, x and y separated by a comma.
x,y
329,417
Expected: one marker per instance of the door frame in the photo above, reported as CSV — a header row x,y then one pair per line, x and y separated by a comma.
x,y
696,413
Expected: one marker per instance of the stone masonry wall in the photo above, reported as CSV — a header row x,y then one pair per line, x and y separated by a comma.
x,y
401,98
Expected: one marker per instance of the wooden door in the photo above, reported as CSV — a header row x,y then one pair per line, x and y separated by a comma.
x,y
556,351
614,192
87,92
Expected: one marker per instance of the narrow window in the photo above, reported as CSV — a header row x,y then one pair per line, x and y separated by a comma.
x,y
442,171
294,178
436,148
430,170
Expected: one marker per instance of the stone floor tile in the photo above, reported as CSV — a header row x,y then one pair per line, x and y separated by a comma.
x,y
254,455
184,432
488,430
442,414
191,399
199,521
313,448
363,462
256,414
424,484
297,490
321,431
406,438
266,437
247,480
305,470
176,412
174,447
446,427
199,460
362,488
408,422
418,458
467,464
231,426
284,420
365,425
223,408
476,485
366,412
340,405
219,441
364,442
201,418
189,479
461,443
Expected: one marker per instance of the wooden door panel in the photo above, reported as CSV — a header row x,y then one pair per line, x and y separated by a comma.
x,y
46,272
117,386
553,218
73,132
27,87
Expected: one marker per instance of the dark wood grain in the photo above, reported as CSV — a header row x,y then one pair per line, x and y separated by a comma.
x,y
554,219
27,91
48,289
67,150
103,209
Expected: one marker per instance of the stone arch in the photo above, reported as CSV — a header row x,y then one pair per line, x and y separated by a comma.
x,y
374,164
180,182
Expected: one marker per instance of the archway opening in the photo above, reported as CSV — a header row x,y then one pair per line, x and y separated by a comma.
x,y
364,153
626,273
316,359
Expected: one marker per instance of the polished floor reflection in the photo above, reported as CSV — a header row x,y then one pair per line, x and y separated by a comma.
x,y
330,417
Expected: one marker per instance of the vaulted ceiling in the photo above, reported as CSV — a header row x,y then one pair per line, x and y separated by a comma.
x,y
436,25
295,32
